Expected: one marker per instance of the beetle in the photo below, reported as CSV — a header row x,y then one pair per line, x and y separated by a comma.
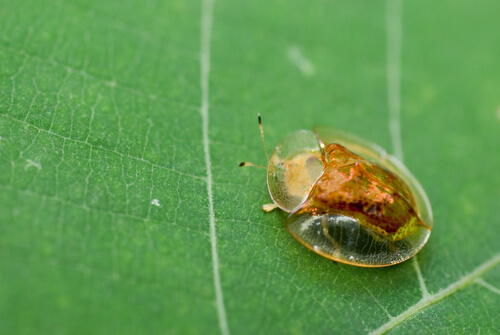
x,y
348,199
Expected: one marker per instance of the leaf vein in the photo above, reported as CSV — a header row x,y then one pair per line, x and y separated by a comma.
x,y
55,198
107,81
458,285
206,28
103,148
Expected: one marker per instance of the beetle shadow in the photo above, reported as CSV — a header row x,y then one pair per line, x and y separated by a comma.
x,y
394,288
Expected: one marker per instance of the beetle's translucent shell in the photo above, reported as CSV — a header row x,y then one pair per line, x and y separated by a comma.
x,y
349,200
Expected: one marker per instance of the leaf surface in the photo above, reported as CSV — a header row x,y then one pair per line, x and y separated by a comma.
x,y
106,220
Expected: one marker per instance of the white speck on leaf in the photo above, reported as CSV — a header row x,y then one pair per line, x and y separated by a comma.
x,y
296,57
155,202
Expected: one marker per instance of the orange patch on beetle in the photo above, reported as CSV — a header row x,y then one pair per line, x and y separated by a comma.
x,y
355,187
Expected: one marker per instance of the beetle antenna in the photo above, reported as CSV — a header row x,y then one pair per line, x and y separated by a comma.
x,y
262,136
250,164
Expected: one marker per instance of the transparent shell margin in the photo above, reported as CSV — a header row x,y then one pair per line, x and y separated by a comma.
x,y
344,239
294,168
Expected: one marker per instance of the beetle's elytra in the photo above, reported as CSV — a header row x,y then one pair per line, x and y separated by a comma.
x,y
348,199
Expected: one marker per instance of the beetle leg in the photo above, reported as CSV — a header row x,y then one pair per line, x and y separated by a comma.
x,y
269,207
326,232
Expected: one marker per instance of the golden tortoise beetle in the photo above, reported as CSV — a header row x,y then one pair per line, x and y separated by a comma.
x,y
348,200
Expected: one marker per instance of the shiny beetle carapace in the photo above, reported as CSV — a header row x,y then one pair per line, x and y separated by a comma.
x,y
348,199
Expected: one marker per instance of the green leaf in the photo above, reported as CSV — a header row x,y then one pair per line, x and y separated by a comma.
x,y
109,120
